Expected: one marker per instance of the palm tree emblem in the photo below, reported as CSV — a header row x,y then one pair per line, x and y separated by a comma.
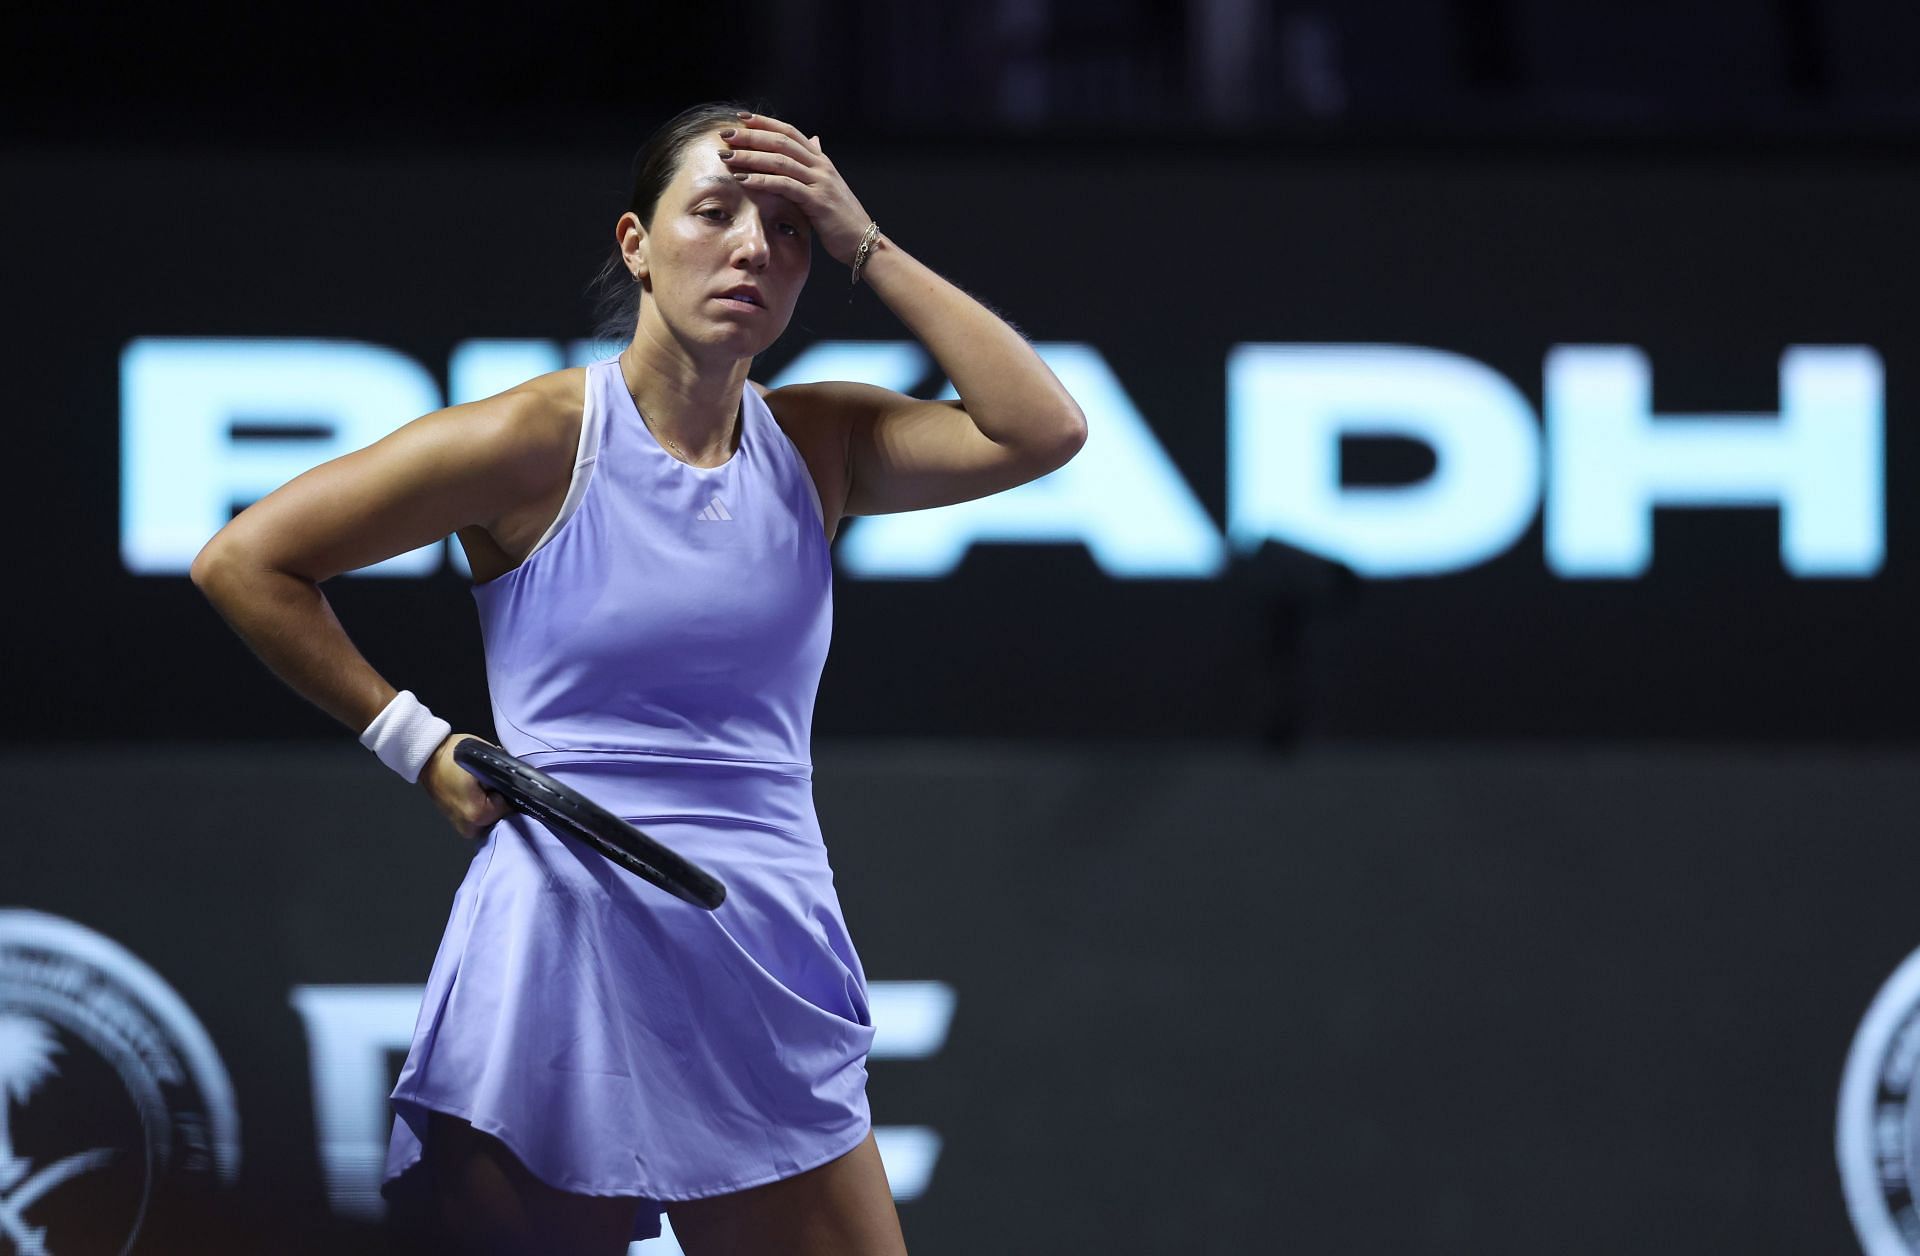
x,y
27,1048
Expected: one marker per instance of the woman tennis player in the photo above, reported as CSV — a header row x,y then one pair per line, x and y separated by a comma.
x,y
649,540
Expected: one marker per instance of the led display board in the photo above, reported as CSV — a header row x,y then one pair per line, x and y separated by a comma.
x,y
1510,443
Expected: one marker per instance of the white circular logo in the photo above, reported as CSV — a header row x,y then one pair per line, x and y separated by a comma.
x,y
111,1094
1877,1139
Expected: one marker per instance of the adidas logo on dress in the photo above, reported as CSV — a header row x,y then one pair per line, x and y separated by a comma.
x,y
716,512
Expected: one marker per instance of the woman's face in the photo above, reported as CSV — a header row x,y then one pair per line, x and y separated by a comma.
x,y
724,265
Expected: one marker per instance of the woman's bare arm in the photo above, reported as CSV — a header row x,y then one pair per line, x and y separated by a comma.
x,y
464,465
1014,421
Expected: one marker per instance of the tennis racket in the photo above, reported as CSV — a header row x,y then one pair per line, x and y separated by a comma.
x,y
569,811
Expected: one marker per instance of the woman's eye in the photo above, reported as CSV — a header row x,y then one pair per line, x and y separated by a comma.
x,y
713,215
789,228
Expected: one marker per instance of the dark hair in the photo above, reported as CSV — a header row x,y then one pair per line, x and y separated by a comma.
x,y
615,293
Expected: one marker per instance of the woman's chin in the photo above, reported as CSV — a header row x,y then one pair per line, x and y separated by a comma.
x,y
742,339
725,337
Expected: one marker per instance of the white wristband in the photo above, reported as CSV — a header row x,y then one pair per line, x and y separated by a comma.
x,y
405,735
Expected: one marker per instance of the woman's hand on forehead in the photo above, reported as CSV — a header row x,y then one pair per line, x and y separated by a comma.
x,y
769,155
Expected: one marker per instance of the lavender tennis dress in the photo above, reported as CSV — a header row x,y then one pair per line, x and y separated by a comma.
x,y
659,650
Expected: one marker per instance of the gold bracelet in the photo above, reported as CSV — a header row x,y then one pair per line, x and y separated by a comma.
x,y
866,247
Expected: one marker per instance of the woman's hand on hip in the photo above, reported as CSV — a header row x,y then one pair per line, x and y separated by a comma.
x,y
469,806
777,158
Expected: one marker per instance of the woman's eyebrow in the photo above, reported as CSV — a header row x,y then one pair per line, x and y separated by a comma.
x,y
719,180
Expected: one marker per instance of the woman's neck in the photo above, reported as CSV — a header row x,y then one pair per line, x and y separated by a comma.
x,y
686,404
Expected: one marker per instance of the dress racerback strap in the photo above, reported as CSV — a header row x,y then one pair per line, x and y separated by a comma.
x,y
592,423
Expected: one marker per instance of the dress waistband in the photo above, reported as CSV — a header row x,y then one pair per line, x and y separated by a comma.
x,y
774,795
642,760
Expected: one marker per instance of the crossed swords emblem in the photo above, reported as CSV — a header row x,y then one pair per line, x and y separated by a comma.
x,y
27,1048
14,1201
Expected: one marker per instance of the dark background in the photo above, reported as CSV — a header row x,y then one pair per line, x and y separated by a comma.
x,y
1484,912
1439,1000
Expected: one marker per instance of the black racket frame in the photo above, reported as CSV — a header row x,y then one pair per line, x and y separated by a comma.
x,y
568,810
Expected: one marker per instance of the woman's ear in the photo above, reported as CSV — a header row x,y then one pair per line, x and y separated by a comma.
x,y
631,238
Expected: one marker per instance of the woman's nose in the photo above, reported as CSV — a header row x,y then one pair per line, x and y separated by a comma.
x,y
751,244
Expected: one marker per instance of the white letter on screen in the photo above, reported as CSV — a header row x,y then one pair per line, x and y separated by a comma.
x,y
910,1022
1121,497
206,425
350,1031
1613,460
1289,405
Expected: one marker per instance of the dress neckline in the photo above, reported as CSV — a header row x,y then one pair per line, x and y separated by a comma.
x,y
739,447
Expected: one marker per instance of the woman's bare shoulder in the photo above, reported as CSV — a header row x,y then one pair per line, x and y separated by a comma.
x,y
534,431
821,437
547,408
530,431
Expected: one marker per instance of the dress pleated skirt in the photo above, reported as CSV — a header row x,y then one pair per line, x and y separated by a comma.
x,y
622,1042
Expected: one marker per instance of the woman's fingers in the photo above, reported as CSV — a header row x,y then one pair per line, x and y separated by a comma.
x,y
477,815
763,122
492,809
748,139
470,807
799,194
779,158
760,162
